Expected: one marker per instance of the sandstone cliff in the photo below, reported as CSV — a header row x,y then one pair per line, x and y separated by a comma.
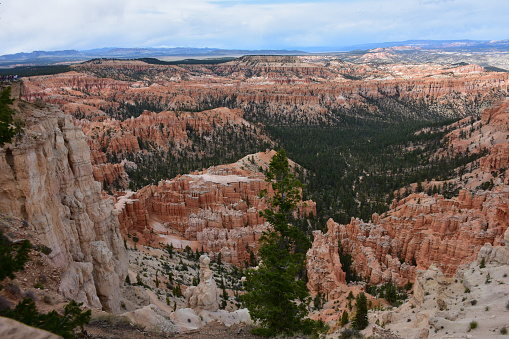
x,y
47,180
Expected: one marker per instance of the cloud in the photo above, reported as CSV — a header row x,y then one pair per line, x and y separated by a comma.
x,y
27,25
434,2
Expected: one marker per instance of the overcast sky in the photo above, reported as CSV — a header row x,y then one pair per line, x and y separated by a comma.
x,y
28,25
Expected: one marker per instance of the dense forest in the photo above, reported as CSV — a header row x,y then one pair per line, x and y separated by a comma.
x,y
354,170
224,145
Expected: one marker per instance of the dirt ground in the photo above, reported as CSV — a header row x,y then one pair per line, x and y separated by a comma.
x,y
103,330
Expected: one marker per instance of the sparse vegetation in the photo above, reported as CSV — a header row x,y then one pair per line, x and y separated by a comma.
x,y
63,325
12,257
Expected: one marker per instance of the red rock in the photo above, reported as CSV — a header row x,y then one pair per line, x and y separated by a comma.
x,y
209,206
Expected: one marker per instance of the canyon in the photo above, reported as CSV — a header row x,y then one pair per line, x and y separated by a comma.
x,y
289,89
420,230
80,180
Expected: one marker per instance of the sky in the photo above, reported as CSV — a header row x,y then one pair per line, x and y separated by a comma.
x,y
29,25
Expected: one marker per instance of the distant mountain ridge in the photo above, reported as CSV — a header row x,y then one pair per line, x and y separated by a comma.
x,y
52,57
65,56
457,45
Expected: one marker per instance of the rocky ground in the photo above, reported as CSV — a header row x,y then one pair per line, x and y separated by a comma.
x,y
40,278
472,304
103,330
176,269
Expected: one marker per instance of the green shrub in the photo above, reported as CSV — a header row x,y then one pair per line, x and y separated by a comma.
x,y
45,249
473,325
350,333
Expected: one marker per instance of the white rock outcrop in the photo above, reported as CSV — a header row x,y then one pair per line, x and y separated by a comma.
x,y
205,296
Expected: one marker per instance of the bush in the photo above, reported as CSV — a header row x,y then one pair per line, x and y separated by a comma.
x,y
350,333
30,295
473,302
503,330
4,303
473,325
13,289
47,299
45,249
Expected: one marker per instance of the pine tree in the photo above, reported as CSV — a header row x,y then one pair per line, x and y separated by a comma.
x,y
275,297
344,318
7,130
360,321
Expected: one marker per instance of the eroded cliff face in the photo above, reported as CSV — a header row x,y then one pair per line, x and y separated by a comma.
x,y
270,87
444,306
421,230
47,179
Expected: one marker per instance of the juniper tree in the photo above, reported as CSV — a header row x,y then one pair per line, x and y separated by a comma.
x,y
275,296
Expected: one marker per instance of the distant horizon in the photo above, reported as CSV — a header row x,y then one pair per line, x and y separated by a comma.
x,y
429,43
52,25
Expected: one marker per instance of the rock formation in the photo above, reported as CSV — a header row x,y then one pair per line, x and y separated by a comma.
x,y
13,329
447,306
422,230
219,208
285,87
47,180
205,296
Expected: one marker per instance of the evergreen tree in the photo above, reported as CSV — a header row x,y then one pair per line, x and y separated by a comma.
x,y
483,263
7,130
275,297
344,318
360,321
